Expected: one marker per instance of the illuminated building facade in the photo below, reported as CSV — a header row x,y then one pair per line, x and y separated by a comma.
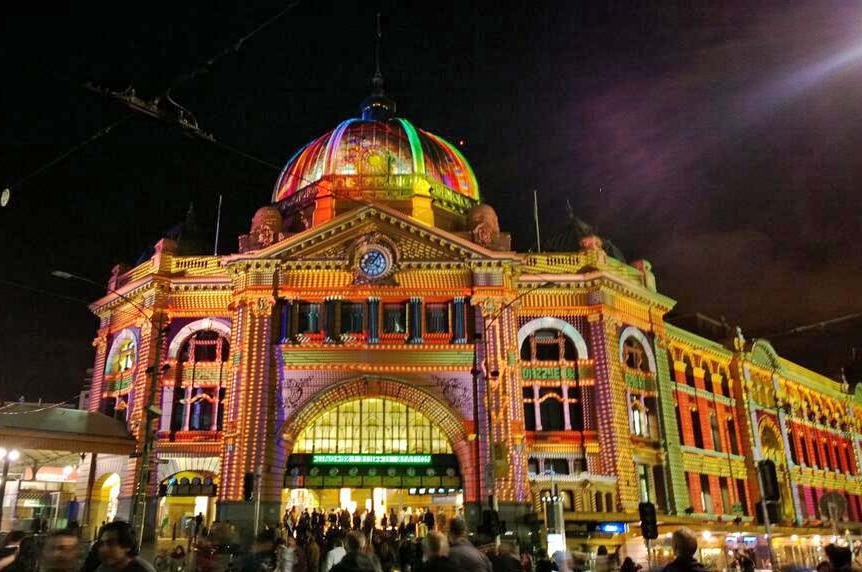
x,y
375,333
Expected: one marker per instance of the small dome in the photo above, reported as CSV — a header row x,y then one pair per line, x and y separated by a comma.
x,y
385,146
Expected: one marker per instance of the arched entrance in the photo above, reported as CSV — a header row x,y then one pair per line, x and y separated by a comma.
x,y
182,496
376,444
773,449
106,492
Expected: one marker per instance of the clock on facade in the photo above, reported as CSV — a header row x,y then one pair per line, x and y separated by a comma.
x,y
374,262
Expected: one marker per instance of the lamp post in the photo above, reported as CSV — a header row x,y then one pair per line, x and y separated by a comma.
x,y
152,411
7,457
475,373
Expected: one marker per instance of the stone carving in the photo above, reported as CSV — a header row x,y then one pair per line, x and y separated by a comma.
x,y
484,225
266,230
455,390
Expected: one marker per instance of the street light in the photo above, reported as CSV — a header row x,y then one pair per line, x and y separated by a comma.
x,y
7,457
494,374
152,411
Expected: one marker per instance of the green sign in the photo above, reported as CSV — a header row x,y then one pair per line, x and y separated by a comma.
x,y
371,460
548,373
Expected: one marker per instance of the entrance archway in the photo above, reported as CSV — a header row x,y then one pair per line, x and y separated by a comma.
x,y
106,493
182,496
376,442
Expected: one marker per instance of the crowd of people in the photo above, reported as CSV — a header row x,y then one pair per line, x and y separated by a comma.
x,y
337,546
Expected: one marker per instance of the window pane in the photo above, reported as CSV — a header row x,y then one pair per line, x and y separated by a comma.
x,y
394,318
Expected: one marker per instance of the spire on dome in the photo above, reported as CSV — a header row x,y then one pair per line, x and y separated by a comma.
x,y
377,107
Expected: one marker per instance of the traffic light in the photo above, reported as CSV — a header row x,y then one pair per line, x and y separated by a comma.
x,y
769,478
248,486
649,520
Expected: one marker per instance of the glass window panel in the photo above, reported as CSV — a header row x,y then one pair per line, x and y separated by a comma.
x,y
372,426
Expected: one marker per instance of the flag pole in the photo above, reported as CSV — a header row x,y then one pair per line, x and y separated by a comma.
x,y
536,217
218,226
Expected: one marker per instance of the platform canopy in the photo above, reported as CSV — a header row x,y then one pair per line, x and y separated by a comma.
x,y
46,432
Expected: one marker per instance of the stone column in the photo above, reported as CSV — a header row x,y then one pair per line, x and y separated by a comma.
x,y
250,435
613,418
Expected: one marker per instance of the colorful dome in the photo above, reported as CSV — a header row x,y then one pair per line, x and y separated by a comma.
x,y
385,147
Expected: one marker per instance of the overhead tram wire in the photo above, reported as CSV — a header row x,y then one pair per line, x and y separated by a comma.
x,y
6,193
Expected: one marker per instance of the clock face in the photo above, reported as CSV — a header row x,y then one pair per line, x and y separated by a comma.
x,y
374,263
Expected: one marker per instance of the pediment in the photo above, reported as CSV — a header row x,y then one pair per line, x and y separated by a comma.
x,y
415,244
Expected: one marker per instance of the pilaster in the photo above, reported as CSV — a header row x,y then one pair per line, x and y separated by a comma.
x,y
677,492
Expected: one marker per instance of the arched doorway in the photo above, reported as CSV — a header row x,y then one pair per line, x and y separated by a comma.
x,y
106,492
773,449
182,496
376,445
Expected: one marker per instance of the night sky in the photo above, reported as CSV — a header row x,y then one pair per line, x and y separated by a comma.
x,y
720,140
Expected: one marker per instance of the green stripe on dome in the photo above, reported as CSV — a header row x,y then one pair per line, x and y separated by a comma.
x,y
415,146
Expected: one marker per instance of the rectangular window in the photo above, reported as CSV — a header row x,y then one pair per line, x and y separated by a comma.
x,y
742,495
658,484
309,318
559,466
643,482
576,408
547,349
395,318
436,318
706,495
529,409
716,434
532,466
352,314
726,507
551,409
707,382
696,429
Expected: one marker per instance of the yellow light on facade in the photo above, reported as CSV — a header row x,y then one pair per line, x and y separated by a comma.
x,y
794,537
707,535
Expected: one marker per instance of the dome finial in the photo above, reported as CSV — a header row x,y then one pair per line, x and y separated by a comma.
x,y
377,107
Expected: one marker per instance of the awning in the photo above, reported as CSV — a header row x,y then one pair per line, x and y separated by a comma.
x,y
53,428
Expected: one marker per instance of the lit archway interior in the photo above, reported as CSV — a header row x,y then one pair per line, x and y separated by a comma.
x,y
370,426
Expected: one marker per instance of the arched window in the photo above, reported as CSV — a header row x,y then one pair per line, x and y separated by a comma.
x,y
598,500
707,381
202,371
537,350
689,372
548,345
634,355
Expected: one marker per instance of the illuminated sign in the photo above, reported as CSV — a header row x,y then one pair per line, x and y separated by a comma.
x,y
371,459
548,373
611,527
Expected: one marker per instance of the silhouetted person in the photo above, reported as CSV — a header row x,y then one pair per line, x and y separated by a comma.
x,y
356,560
462,553
684,544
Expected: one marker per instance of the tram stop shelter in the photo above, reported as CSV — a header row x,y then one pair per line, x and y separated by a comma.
x,y
53,442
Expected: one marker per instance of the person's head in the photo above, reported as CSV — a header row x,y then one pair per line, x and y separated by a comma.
x,y
60,551
683,542
507,548
457,528
602,551
839,556
355,542
117,544
435,545
28,551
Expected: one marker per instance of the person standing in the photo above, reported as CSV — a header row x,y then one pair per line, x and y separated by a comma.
x,y
683,542
285,554
462,553
436,550
118,550
334,556
356,560
429,520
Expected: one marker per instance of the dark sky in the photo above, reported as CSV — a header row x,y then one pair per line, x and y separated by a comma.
x,y
720,140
